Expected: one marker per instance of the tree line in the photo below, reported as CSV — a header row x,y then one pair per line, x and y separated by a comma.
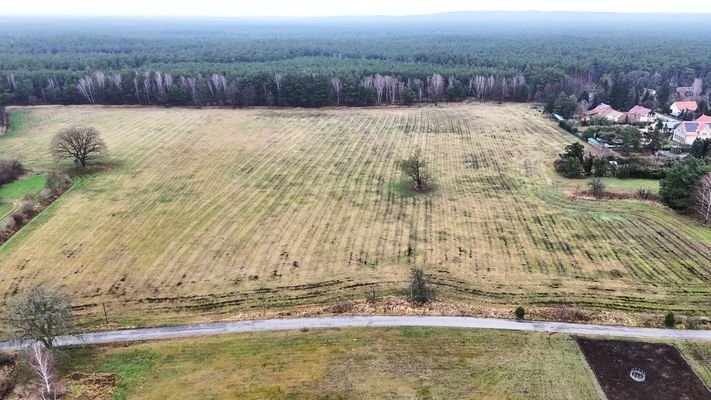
x,y
369,64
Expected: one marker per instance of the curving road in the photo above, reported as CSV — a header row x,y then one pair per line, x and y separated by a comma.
x,y
219,328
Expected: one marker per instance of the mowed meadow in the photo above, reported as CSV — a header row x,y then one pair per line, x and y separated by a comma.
x,y
220,211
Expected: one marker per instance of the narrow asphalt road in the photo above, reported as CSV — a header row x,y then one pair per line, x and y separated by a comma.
x,y
218,328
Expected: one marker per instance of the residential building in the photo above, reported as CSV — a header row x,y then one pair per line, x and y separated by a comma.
x,y
605,111
687,132
681,106
640,114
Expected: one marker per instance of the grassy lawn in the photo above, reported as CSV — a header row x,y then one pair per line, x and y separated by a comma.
x,y
213,212
5,209
631,185
612,184
22,187
404,363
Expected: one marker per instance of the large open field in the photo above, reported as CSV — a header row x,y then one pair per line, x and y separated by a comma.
x,y
216,211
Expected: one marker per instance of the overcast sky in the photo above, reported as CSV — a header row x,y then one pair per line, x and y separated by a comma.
x,y
251,8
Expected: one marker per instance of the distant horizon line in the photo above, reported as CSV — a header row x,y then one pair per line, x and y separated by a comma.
x,y
443,13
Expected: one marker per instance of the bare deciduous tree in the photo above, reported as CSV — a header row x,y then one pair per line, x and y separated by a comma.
x,y
217,84
337,86
158,78
391,85
147,87
416,169
490,84
191,83
703,198
115,79
79,143
100,79
435,87
278,79
11,83
51,84
697,87
86,88
379,85
136,91
419,89
42,363
479,85
41,314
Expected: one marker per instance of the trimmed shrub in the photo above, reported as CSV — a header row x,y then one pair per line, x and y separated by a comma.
x,y
520,312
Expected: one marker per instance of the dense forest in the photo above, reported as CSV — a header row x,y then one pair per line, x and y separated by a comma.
x,y
615,58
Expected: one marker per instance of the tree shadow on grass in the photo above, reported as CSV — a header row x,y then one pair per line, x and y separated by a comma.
x,y
406,188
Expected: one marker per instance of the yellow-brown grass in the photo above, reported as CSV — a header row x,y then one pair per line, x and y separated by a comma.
x,y
212,211
404,363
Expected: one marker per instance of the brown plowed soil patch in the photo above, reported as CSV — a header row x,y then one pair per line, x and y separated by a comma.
x,y
669,377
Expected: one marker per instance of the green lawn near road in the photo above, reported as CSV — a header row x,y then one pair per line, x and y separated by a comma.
x,y
397,363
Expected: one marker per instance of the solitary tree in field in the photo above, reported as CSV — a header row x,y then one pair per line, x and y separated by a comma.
x,y
416,169
420,292
81,144
41,314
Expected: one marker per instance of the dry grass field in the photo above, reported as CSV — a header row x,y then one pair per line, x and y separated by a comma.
x,y
214,211
404,363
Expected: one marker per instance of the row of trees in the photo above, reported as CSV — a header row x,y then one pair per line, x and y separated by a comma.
x,y
297,90
562,93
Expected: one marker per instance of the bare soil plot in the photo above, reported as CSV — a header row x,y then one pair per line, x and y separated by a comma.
x,y
668,376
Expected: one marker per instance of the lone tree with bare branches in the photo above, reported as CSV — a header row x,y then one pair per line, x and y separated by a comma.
x,y
41,314
416,169
79,143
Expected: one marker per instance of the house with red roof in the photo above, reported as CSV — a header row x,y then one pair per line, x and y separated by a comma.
x,y
604,111
640,114
687,132
597,110
681,106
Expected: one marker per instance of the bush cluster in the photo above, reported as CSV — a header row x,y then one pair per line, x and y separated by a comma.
x,y
10,171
